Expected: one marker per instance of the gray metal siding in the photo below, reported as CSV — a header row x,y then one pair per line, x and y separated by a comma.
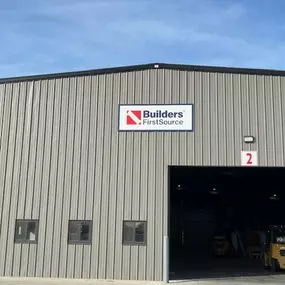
x,y
62,158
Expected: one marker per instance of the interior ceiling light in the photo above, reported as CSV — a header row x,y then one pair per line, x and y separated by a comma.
x,y
274,197
179,187
214,191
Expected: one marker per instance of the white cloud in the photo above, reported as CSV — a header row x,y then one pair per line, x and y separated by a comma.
x,y
61,35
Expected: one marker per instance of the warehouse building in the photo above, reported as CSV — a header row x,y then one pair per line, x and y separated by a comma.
x,y
98,168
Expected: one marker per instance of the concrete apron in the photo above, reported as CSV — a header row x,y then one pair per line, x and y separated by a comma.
x,y
63,281
268,280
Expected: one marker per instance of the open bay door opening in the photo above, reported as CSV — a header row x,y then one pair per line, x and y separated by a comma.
x,y
220,219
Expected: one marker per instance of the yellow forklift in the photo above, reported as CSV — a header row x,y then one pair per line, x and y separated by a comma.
x,y
274,251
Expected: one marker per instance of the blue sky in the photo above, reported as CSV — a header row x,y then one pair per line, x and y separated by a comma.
x,y
46,36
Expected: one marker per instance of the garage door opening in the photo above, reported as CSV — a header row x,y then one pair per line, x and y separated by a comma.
x,y
219,220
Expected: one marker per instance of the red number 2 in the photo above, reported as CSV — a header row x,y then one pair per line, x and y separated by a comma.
x,y
249,161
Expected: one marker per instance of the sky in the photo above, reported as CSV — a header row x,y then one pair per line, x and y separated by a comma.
x,y
50,36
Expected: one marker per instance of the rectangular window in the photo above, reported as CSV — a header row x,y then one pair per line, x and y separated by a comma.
x,y
134,233
79,232
26,231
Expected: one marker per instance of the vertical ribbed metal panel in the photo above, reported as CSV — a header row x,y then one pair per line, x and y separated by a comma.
x,y
281,128
8,258
91,210
59,180
6,167
65,260
31,172
62,158
83,193
143,195
114,84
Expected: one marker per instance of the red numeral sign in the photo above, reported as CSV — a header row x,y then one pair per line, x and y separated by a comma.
x,y
249,158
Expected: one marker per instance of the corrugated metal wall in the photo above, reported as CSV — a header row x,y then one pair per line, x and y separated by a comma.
x,y
62,158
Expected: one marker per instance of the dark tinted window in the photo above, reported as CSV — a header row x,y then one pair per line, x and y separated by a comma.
x,y
134,233
80,232
26,231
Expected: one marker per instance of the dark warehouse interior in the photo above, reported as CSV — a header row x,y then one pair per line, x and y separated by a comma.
x,y
219,218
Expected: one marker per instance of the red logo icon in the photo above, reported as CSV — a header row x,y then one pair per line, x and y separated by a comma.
x,y
134,117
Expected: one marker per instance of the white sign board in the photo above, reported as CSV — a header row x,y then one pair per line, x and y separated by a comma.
x,y
249,158
156,117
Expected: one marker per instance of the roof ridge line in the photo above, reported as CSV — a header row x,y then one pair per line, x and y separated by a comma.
x,y
130,68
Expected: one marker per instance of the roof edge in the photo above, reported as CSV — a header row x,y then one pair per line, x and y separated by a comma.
x,y
130,68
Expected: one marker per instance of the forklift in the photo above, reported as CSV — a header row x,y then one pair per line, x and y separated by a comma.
x,y
274,250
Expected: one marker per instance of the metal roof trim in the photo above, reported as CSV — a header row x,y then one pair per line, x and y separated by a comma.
x,y
131,68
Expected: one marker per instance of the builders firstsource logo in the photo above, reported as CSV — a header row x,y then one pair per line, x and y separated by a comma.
x,y
156,117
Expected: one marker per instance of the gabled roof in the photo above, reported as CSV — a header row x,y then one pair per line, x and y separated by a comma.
x,y
130,68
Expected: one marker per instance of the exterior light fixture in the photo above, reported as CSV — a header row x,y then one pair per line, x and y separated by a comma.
x,y
249,139
156,66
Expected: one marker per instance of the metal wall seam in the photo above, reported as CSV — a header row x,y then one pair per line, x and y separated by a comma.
x,y
9,244
253,111
183,100
174,90
126,263
206,144
64,161
143,214
158,190
134,164
277,124
44,226
17,258
229,122
98,207
2,105
237,118
198,123
67,261
190,137
221,120
87,209
136,173
6,166
151,252
115,224
59,192
78,157
51,199
32,173
84,193
119,256
161,184
41,145
94,121
282,108
214,151
106,199
113,177
270,118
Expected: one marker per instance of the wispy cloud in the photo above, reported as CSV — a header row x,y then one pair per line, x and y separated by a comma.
x,y
41,36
